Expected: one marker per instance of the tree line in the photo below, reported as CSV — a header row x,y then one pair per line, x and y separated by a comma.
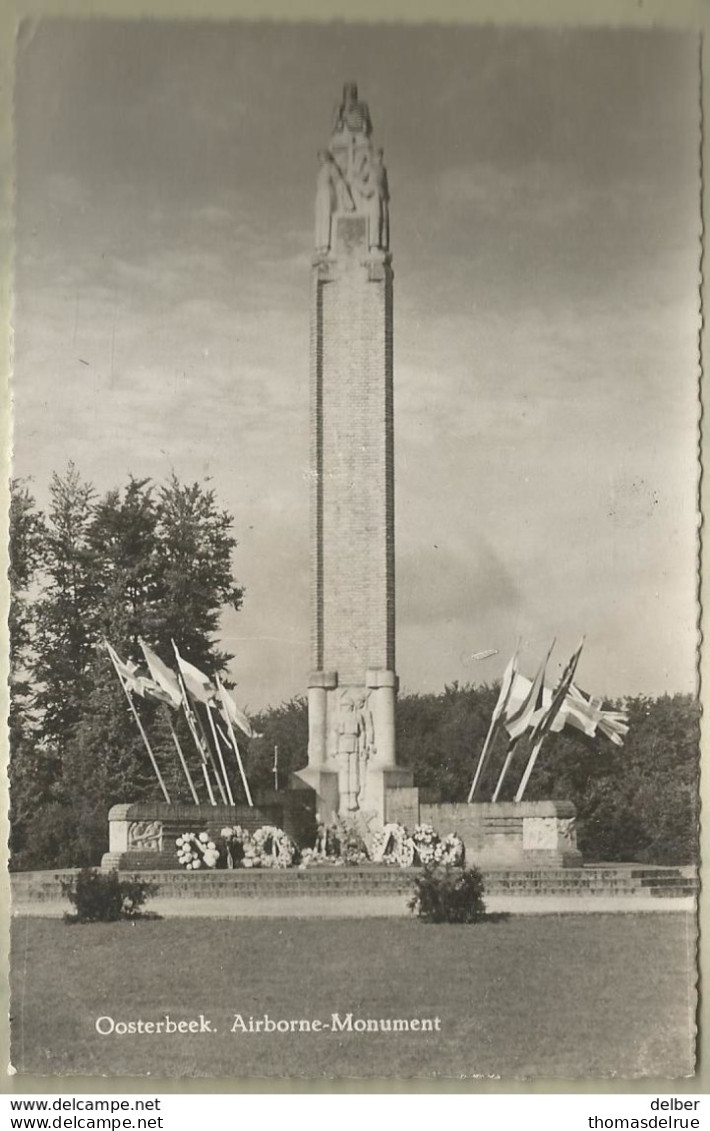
x,y
139,560
157,562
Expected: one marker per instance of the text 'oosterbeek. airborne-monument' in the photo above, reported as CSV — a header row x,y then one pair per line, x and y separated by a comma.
x,y
353,685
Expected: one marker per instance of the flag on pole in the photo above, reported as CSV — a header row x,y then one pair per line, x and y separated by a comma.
x,y
235,713
162,675
127,670
197,683
230,728
585,712
518,720
506,687
544,723
149,689
126,683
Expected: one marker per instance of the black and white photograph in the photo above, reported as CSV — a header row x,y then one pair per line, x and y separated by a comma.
x,y
353,539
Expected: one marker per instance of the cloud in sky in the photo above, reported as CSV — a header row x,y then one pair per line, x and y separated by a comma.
x,y
545,223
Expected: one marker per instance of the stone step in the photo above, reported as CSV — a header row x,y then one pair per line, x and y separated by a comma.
x,y
329,882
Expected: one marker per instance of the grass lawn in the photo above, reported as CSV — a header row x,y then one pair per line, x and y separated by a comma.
x,y
574,996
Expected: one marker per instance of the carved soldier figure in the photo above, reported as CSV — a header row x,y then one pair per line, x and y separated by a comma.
x,y
355,743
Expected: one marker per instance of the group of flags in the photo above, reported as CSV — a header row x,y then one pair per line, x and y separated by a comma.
x,y
189,689
529,707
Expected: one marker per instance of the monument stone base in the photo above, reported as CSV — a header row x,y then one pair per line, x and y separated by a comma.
x,y
501,834
142,834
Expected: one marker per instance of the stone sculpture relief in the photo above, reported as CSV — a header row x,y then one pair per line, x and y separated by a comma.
x,y
145,836
352,179
355,731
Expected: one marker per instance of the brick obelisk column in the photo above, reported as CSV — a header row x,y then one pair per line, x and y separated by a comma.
x,y
353,685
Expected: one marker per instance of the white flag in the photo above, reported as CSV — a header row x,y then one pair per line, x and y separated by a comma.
x,y
233,712
197,683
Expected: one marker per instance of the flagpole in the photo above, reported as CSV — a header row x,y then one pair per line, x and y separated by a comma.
x,y
498,714
181,756
504,771
479,768
220,755
139,724
235,747
542,728
230,728
205,741
529,769
196,738
213,760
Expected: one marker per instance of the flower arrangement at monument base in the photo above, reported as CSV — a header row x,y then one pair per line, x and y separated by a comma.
x,y
393,845
423,847
197,851
269,847
450,850
426,840
337,844
235,847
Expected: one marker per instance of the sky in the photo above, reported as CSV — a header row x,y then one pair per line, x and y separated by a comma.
x,y
545,221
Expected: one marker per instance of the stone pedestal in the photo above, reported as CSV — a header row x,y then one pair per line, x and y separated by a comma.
x,y
142,834
506,834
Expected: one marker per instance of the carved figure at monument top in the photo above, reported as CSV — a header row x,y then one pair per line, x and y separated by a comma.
x,y
352,114
326,199
352,177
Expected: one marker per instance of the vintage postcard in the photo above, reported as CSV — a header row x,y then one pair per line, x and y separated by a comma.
x,y
354,722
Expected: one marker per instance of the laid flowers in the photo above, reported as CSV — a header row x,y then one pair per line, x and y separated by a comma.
x,y
342,843
338,844
235,847
197,851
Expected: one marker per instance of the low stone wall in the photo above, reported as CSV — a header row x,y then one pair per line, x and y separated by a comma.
x,y
142,834
501,834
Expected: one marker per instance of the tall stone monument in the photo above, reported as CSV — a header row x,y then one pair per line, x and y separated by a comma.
x,y
353,685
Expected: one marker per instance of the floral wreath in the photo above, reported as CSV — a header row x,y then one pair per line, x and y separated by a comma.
x,y
392,845
269,847
194,851
450,850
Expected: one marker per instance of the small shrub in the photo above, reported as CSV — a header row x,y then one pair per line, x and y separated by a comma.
x,y
102,898
445,894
